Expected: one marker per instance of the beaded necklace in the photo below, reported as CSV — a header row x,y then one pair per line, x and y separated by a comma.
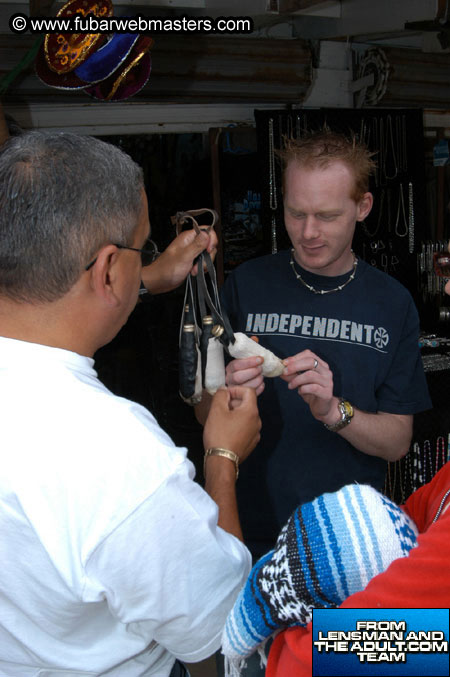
x,y
324,291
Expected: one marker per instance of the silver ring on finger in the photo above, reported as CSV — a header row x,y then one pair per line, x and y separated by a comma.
x,y
316,362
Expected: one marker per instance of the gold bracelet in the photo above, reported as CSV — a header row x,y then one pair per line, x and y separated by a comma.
x,y
226,453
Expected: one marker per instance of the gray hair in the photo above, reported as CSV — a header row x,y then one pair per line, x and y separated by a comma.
x,y
62,198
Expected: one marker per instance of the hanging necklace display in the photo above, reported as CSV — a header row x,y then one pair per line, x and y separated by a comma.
x,y
362,131
382,150
366,132
410,218
418,457
410,473
401,208
417,471
390,149
391,479
440,453
400,132
376,146
323,291
427,462
273,201
404,145
389,209
288,127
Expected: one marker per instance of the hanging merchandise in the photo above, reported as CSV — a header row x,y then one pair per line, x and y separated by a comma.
x,y
273,201
399,215
110,67
431,273
417,468
375,63
205,329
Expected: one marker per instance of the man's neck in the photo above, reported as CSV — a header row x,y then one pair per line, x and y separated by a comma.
x,y
46,324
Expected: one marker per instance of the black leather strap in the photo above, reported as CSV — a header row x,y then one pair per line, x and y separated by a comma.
x,y
201,305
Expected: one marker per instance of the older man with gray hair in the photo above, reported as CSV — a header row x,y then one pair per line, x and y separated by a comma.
x,y
114,561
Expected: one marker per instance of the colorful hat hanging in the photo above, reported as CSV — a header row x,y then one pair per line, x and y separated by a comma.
x,y
66,51
108,68
130,78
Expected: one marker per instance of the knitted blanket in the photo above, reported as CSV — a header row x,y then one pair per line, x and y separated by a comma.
x,y
329,549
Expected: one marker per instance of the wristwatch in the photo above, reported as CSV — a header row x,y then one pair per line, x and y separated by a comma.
x,y
346,411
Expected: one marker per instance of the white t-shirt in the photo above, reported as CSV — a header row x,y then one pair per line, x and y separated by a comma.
x,y
112,562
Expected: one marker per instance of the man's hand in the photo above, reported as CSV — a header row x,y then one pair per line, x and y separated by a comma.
x,y
175,263
246,372
233,421
313,379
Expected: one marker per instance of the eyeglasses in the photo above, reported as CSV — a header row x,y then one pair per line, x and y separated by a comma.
x,y
441,264
148,254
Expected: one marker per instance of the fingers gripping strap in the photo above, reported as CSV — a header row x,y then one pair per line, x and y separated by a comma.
x,y
206,303
180,218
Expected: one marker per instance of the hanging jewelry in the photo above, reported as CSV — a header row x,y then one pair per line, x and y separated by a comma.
x,y
273,200
415,476
390,145
440,453
420,479
382,151
389,209
404,145
289,127
324,291
401,206
364,132
427,461
400,133
376,146
410,218
402,486
391,479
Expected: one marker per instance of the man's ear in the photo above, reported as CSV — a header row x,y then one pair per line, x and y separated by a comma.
x,y
364,206
104,275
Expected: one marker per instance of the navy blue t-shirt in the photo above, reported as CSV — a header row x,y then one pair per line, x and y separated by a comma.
x,y
368,335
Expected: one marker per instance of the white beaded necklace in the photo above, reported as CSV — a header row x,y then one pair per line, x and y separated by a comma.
x,y
323,291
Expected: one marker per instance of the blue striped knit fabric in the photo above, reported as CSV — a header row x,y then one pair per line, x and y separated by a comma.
x,y
329,549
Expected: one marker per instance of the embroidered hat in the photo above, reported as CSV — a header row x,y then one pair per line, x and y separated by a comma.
x,y
109,68
52,79
66,51
107,58
329,549
130,78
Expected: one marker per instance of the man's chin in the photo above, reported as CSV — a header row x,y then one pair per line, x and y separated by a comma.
x,y
313,259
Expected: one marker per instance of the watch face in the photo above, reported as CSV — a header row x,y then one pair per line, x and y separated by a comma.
x,y
346,409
